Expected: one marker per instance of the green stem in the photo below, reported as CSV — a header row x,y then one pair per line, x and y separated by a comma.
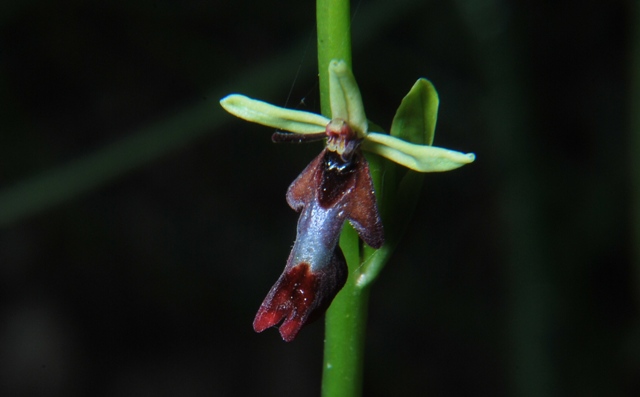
x,y
345,329
334,42
346,318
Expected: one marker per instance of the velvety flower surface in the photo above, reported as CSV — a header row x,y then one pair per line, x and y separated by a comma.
x,y
328,192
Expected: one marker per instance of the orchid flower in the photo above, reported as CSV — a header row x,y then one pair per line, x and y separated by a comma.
x,y
336,186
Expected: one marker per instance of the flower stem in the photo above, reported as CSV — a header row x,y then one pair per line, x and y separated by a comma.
x,y
345,330
346,318
334,42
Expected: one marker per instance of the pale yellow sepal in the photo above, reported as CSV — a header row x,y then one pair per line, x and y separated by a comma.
x,y
273,116
345,98
420,158
346,105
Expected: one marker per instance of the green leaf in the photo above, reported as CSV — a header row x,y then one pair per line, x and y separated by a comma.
x,y
415,119
414,122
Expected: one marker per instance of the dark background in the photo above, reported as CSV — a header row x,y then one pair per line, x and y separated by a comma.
x,y
141,226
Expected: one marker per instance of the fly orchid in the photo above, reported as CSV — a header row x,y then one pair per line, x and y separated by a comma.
x,y
336,186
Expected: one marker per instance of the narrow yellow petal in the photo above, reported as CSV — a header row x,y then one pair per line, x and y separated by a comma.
x,y
273,116
420,158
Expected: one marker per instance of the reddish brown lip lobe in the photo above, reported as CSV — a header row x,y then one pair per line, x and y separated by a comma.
x,y
294,296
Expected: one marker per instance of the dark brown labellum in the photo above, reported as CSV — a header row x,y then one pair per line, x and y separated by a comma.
x,y
336,186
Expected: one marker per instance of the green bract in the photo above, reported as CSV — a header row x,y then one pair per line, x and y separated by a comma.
x,y
414,121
